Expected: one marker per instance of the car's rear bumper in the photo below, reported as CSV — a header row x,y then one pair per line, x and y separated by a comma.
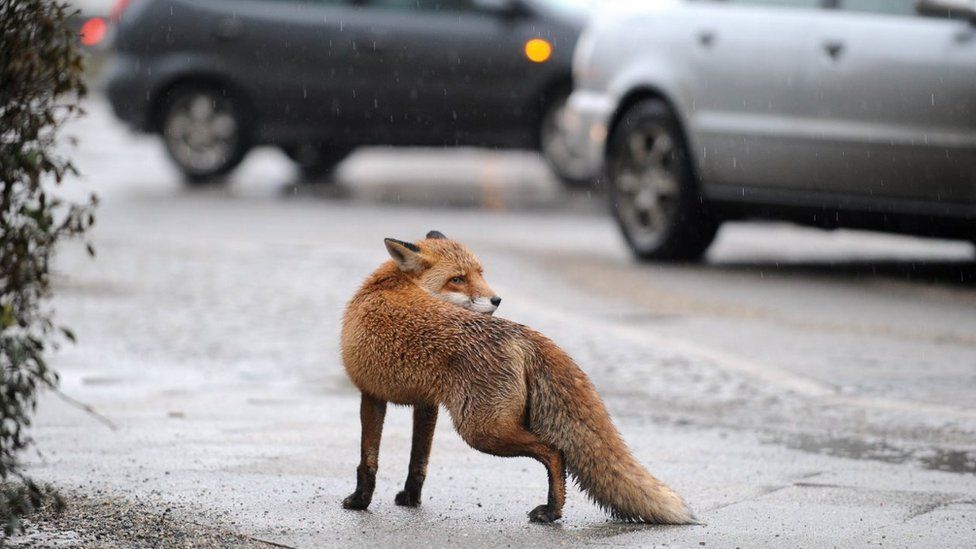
x,y
129,90
588,115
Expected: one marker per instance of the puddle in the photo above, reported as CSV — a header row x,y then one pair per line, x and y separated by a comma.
x,y
953,461
93,287
936,459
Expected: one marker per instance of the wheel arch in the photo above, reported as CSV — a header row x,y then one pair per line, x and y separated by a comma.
x,y
645,92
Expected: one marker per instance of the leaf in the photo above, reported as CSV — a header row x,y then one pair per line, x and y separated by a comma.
x,y
7,315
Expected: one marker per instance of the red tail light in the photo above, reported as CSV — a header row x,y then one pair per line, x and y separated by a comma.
x,y
93,31
118,8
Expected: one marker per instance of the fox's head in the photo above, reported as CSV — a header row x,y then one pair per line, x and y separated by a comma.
x,y
446,269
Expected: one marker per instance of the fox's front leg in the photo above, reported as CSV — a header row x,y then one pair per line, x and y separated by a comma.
x,y
371,414
424,421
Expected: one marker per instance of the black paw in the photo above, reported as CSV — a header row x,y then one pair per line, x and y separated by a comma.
x,y
408,499
356,501
543,514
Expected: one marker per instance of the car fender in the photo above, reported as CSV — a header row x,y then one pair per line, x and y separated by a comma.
x,y
656,76
174,70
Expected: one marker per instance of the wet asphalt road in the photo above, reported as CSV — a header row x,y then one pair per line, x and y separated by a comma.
x,y
799,388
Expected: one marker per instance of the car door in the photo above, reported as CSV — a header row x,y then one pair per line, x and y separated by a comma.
x,y
293,58
443,72
750,111
896,103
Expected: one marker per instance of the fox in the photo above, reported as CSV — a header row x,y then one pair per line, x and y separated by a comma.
x,y
421,332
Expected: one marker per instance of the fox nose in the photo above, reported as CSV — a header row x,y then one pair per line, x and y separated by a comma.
x,y
496,301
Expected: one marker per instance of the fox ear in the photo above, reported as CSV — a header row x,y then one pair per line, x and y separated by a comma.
x,y
406,255
436,235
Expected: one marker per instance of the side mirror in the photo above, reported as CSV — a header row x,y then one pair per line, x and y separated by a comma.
x,y
502,8
958,9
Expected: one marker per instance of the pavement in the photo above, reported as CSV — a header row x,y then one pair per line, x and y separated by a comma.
x,y
800,388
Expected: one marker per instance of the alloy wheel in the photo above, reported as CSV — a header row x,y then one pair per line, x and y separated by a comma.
x,y
647,180
202,132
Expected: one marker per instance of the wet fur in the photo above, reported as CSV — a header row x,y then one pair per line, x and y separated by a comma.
x,y
509,390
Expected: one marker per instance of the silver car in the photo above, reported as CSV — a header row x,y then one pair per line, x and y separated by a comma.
x,y
833,113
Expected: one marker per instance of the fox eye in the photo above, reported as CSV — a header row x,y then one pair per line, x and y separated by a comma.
x,y
457,280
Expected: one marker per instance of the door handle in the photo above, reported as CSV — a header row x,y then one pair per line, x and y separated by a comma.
x,y
372,42
706,38
229,29
374,45
834,49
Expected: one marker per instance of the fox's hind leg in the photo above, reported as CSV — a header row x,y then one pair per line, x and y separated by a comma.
x,y
424,421
553,509
514,440
372,411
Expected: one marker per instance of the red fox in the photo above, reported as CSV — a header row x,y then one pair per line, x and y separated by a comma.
x,y
416,333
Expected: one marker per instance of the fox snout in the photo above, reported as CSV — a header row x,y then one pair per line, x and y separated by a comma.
x,y
486,305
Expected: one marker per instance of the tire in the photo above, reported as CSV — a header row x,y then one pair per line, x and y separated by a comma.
x,y
204,130
654,194
316,161
563,156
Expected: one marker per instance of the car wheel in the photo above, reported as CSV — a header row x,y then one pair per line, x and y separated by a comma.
x,y
653,192
315,161
203,129
563,155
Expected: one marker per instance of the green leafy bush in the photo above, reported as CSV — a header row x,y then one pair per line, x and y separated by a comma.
x,y
40,87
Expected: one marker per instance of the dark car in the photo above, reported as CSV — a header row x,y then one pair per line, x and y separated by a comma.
x,y
321,77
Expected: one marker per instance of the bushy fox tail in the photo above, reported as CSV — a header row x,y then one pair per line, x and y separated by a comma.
x,y
566,413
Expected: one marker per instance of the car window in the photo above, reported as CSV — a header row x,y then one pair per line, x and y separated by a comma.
x,y
425,5
891,7
779,3
574,7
